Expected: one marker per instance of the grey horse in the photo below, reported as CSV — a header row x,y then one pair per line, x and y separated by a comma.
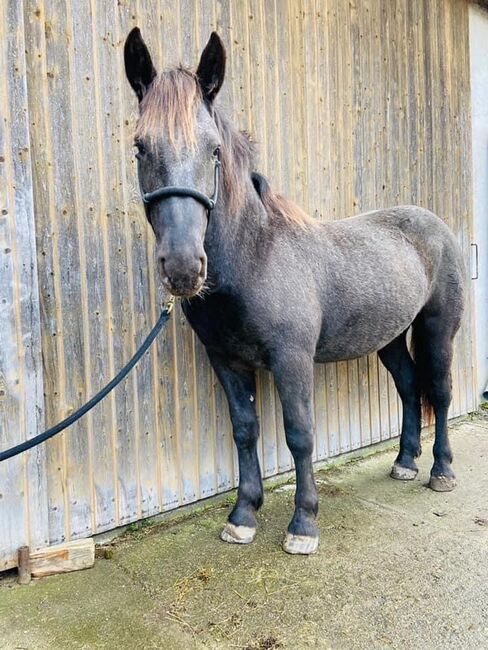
x,y
265,286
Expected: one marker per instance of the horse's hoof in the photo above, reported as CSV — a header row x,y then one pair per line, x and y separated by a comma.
x,y
300,544
442,483
403,473
237,534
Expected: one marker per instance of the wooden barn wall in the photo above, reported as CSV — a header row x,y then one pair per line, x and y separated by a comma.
x,y
354,105
23,486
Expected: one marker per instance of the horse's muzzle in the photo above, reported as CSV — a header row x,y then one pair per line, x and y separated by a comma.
x,y
183,280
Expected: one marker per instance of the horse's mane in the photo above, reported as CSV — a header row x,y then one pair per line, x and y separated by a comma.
x,y
277,205
171,103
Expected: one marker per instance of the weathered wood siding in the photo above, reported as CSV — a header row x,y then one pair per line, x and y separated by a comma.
x,y
355,105
23,494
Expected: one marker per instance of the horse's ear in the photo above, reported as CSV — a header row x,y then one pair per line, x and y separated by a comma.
x,y
138,65
211,69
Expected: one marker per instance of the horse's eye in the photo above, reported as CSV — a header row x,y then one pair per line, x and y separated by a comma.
x,y
140,150
216,152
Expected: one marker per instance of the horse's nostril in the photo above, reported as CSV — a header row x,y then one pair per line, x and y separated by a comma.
x,y
162,261
202,267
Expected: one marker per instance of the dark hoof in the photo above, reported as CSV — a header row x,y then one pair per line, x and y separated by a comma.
x,y
237,534
300,544
442,483
403,473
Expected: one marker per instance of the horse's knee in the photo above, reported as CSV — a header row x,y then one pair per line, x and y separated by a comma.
x,y
299,440
245,432
299,430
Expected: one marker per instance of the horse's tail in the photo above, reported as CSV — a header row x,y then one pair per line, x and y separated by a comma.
x,y
421,355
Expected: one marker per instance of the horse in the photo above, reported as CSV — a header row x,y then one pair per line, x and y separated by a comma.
x,y
265,286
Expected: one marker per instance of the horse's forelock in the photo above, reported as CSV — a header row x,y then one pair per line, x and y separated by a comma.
x,y
170,103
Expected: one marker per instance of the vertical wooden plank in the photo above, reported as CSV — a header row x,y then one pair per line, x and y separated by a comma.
x,y
29,309
58,264
354,405
333,88
332,409
384,401
364,402
66,200
117,24
80,82
343,403
47,260
295,147
23,506
461,116
466,198
116,264
374,398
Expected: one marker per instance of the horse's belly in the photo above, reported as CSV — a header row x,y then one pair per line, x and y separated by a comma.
x,y
344,347
359,335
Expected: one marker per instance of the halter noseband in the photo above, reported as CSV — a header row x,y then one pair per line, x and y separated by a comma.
x,y
165,192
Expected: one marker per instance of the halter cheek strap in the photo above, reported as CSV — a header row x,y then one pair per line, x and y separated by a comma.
x,y
165,192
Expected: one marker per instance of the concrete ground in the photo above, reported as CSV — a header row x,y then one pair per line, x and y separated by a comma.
x,y
399,566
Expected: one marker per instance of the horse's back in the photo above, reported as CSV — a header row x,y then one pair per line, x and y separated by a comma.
x,y
403,231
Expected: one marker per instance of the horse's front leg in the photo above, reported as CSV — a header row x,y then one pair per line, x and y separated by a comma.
x,y
240,389
294,380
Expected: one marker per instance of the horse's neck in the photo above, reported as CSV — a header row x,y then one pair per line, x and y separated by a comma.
x,y
233,242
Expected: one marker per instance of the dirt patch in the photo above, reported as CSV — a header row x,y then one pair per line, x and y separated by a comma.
x,y
330,490
481,521
266,643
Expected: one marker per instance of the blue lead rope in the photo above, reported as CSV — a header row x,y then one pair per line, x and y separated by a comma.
x,y
57,428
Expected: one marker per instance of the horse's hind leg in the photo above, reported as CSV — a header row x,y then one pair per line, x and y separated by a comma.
x,y
433,334
398,362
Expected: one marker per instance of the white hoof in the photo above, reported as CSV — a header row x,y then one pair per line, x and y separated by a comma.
x,y
403,473
300,544
237,534
442,483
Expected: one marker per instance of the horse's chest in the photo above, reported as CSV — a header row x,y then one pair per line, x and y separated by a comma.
x,y
224,327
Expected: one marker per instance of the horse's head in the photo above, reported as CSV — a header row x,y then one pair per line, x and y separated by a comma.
x,y
178,146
